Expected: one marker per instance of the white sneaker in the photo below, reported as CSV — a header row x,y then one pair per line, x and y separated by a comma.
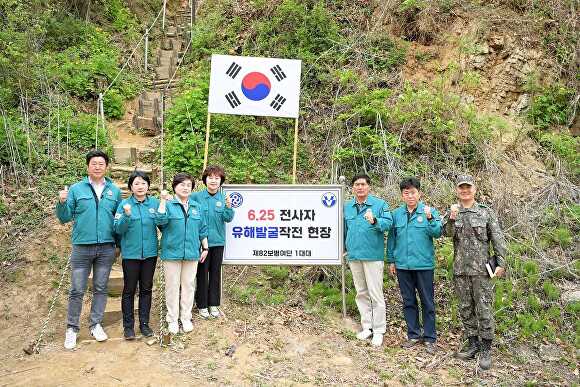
x,y
70,339
214,311
187,325
364,334
173,328
98,333
377,340
204,313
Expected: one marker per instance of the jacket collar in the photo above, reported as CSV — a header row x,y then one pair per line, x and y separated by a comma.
x,y
134,200
108,181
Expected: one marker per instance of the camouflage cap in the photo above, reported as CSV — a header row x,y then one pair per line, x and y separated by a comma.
x,y
464,179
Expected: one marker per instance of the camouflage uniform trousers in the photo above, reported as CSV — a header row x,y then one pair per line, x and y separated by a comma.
x,y
475,294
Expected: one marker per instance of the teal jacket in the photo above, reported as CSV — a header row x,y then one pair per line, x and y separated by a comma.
x,y
410,241
181,233
138,233
365,241
216,215
92,218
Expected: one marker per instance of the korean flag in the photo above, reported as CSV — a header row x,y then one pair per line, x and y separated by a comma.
x,y
252,86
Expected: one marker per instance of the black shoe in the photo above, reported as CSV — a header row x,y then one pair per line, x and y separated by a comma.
x,y
469,350
145,330
430,347
485,355
411,343
129,334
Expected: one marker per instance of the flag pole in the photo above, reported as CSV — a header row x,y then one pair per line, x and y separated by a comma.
x,y
295,150
206,140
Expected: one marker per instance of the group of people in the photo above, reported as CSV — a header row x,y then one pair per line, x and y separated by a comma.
x,y
192,226
411,229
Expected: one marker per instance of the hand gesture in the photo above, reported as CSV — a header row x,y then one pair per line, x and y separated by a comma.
x,y
454,211
228,201
392,269
428,213
369,216
127,208
63,195
203,256
165,195
499,271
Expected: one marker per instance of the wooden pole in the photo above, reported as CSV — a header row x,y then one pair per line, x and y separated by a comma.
x,y
146,47
295,150
97,127
163,20
161,175
206,140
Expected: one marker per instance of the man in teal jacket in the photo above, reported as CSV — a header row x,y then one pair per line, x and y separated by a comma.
x,y
366,218
91,205
411,256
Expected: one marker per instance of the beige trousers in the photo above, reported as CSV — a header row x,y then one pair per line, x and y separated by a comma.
x,y
179,274
368,282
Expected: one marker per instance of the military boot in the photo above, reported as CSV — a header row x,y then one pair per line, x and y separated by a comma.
x,y
469,350
485,355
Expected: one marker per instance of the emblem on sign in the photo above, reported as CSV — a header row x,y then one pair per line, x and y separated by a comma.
x,y
237,199
328,199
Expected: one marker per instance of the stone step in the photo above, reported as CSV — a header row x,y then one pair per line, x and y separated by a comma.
x,y
127,169
115,287
124,155
146,123
114,313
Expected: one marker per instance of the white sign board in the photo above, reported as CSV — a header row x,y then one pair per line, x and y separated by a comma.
x,y
244,85
284,225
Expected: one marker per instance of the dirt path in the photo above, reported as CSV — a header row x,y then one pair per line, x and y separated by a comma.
x,y
272,345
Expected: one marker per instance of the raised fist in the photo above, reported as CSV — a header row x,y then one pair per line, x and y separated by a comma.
x,y
369,216
428,213
165,195
127,208
63,195
454,211
228,201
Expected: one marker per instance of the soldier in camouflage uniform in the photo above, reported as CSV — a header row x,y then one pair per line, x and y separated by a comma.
x,y
473,226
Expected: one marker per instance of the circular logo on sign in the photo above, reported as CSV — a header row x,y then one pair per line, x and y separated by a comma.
x,y
256,86
237,199
328,199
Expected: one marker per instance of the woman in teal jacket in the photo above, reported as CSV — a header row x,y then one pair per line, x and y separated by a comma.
x,y
217,210
184,234
135,226
411,256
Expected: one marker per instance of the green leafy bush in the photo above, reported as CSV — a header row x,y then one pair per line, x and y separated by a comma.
x,y
550,107
113,104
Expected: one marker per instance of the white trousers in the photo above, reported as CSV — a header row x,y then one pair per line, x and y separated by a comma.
x,y
179,274
368,282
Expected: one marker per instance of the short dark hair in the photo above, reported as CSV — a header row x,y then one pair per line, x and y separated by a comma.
x,y
97,153
181,177
214,170
361,176
135,174
410,182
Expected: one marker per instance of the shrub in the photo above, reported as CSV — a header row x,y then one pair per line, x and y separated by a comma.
x,y
550,107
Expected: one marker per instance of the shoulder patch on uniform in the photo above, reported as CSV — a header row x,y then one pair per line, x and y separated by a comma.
x,y
483,205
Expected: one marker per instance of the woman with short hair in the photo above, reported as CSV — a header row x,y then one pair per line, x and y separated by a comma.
x,y
135,226
184,235
217,211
